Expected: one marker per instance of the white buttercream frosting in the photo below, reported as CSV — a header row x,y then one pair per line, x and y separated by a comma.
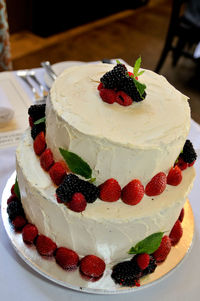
x,y
137,141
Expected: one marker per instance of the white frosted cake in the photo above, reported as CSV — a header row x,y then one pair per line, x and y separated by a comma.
x,y
118,142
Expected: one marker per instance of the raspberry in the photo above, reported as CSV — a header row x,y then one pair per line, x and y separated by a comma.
x,y
19,222
126,273
46,159
66,258
92,266
174,176
123,99
100,86
188,155
57,173
29,233
37,128
14,209
12,190
110,190
176,233
143,261
108,95
37,111
162,252
39,144
45,246
31,122
12,198
181,216
157,184
181,164
133,192
78,202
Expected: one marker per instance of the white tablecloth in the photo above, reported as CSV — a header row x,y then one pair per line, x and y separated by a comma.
x,y
19,282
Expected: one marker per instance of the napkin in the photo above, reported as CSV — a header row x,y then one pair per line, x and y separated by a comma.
x,y
6,110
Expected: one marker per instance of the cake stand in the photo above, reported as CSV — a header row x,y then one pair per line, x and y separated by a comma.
x,y
48,268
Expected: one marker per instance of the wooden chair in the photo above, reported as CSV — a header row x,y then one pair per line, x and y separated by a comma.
x,y
181,29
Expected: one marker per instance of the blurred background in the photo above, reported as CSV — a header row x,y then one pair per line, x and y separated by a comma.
x,y
163,32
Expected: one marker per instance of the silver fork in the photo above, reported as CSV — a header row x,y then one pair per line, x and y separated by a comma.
x,y
23,74
31,74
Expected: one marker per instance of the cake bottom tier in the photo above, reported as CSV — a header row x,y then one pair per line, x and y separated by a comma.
x,y
107,230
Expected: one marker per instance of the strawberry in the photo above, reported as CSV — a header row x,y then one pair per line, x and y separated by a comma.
x,y
19,222
92,266
78,202
45,246
133,192
29,233
46,159
57,173
66,258
123,99
174,176
12,198
108,95
143,260
176,233
156,185
110,190
162,252
39,143
181,216
181,164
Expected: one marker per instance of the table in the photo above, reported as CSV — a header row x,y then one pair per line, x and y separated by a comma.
x,y
19,282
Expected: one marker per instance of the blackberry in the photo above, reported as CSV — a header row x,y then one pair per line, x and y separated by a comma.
x,y
37,128
188,155
151,267
37,111
14,209
68,187
112,79
89,190
128,86
125,273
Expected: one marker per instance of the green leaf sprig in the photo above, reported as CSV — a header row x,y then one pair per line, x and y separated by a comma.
x,y
76,164
148,245
16,189
43,119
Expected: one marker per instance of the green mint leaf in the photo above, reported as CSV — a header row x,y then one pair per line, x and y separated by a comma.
x,y
148,245
137,66
92,180
16,189
140,87
43,119
118,62
76,164
140,73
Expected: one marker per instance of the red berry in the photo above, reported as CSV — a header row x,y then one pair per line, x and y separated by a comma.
x,y
31,122
39,144
57,173
191,164
19,222
174,176
157,184
59,200
162,252
46,159
132,74
181,216
108,95
176,233
133,192
100,86
143,260
181,164
92,266
66,258
12,190
123,99
45,246
29,233
12,198
110,190
78,202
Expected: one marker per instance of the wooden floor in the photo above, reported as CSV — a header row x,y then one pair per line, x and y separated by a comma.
x,y
125,35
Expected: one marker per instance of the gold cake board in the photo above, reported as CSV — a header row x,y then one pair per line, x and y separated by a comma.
x,y
48,268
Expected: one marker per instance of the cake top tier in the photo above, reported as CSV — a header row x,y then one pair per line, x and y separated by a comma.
x,y
163,115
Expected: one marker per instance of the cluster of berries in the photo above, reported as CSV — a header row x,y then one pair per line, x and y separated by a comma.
x,y
128,273
91,266
187,157
118,85
76,193
36,112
